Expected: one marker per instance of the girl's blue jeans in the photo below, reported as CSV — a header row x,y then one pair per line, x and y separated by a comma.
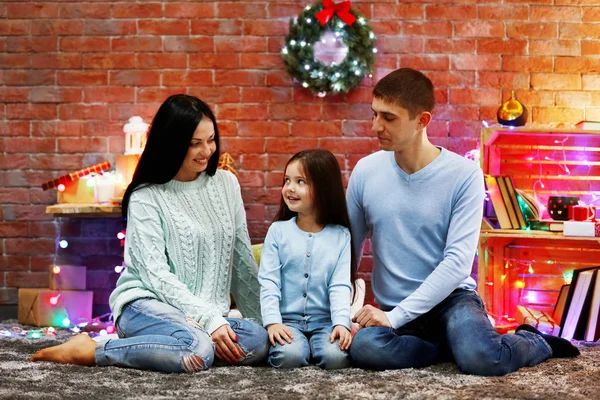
x,y
456,329
156,336
310,343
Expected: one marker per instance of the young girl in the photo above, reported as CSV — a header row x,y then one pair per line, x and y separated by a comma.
x,y
307,265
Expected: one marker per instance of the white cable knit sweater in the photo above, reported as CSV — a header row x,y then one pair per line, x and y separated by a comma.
x,y
187,245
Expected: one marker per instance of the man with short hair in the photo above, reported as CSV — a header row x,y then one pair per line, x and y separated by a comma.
x,y
423,205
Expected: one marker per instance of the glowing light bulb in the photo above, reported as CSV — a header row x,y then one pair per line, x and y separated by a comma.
x,y
35,335
362,20
118,269
284,50
76,330
355,62
103,332
66,322
293,42
371,35
56,269
110,329
337,34
304,84
375,50
320,74
60,188
337,75
307,8
306,67
303,43
357,72
63,244
90,183
120,235
308,20
54,300
340,24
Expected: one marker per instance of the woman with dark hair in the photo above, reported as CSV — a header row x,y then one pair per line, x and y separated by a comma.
x,y
307,267
187,246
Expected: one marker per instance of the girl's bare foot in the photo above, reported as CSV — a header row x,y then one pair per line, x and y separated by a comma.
x,y
78,350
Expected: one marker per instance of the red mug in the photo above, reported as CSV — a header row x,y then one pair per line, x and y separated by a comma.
x,y
582,213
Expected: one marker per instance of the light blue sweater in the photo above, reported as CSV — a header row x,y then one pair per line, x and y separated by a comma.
x,y
424,229
305,276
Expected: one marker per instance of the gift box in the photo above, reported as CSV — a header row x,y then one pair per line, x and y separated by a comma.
x,y
46,307
67,277
80,191
540,320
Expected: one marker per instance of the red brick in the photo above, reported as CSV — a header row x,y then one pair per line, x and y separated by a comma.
x,y
85,44
83,145
39,196
456,113
108,61
437,129
13,161
576,64
187,78
214,61
425,62
429,28
532,97
555,47
451,12
258,230
501,46
14,94
29,78
32,10
31,111
117,145
122,112
241,78
251,178
527,64
591,14
56,162
266,95
14,229
540,30
31,44
500,12
451,46
109,95
14,128
287,10
316,129
239,9
589,48
295,112
556,81
15,60
398,44
83,112
360,95
189,10
555,13
274,179
396,11
346,145
18,28
265,27
27,212
243,145
484,96
154,94
227,128
241,112
357,128
136,78
9,296
261,61
255,212
251,162
55,95
163,27
27,279
108,27
452,78
160,60
511,80
341,111
246,44
188,44
479,29
14,263
85,10
290,145
464,129
56,61
225,27
82,78
61,27
136,44
279,78
570,98
128,10
263,128
29,145
556,114
392,28
214,95
476,62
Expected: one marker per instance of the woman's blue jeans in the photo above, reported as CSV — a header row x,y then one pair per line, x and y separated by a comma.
x,y
156,336
456,329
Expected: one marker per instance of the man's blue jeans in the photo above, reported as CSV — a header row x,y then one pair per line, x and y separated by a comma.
x,y
310,343
156,336
456,329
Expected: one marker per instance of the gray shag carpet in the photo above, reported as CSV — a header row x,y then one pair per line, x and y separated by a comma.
x,y
558,379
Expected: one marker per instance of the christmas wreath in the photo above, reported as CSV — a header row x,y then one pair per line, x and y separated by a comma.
x,y
347,26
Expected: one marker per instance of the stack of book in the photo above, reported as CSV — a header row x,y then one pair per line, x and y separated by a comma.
x,y
578,306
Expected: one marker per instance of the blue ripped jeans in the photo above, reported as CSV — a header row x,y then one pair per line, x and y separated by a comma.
x,y
456,329
156,336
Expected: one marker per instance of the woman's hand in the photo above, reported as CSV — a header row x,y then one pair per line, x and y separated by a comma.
x,y
225,347
278,333
344,334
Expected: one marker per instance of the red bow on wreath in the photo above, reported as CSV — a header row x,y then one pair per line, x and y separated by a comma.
x,y
330,8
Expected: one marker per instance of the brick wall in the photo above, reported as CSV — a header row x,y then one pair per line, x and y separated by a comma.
x,y
71,73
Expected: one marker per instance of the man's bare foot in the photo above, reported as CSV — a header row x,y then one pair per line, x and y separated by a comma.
x,y
78,350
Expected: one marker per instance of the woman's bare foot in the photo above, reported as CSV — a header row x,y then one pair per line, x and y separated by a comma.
x,y
78,350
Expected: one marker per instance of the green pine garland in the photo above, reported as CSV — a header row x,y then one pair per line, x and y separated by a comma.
x,y
299,58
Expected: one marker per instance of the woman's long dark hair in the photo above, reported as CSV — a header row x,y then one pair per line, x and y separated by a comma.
x,y
169,138
324,177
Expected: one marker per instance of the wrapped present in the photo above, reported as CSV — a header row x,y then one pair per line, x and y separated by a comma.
x,y
46,307
67,277
540,320
80,191
75,175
